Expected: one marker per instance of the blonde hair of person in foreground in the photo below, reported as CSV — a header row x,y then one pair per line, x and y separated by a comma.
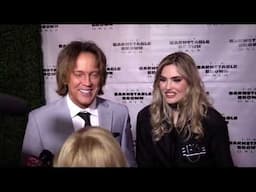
x,y
90,147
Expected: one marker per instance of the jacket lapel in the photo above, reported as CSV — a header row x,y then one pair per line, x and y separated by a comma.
x,y
105,114
64,120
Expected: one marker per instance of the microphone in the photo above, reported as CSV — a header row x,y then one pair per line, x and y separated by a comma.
x,y
12,105
45,159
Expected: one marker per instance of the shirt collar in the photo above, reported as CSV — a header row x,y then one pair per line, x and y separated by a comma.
x,y
74,109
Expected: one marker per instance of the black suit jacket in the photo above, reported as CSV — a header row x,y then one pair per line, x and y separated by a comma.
x,y
172,151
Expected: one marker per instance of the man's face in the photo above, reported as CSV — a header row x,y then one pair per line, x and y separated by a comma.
x,y
84,80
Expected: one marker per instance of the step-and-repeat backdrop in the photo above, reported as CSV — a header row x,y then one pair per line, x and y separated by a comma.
x,y
225,56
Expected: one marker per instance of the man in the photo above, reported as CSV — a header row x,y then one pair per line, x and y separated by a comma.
x,y
81,74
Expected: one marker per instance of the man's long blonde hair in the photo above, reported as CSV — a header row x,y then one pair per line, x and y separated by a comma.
x,y
90,147
191,108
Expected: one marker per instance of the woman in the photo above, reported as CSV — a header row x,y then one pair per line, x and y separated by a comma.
x,y
180,128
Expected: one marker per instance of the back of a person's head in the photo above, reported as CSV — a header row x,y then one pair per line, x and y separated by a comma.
x,y
90,147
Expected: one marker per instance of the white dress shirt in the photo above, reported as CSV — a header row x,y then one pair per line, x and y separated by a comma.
x,y
78,122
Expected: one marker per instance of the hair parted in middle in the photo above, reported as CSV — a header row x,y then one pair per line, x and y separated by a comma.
x,y
191,108
66,62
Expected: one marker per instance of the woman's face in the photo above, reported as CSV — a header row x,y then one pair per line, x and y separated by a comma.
x,y
172,85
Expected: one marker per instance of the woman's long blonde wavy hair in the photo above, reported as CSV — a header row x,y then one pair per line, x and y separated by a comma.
x,y
192,108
